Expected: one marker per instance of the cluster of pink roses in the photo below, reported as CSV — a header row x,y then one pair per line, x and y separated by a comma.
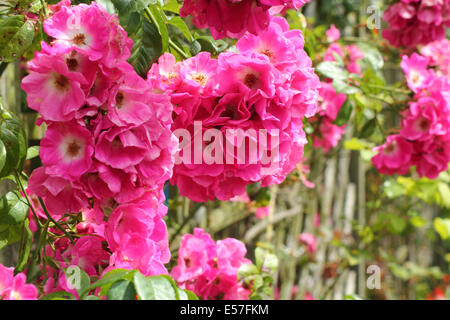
x,y
439,54
15,287
108,148
209,269
133,237
415,22
234,18
327,134
108,135
351,54
268,86
424,138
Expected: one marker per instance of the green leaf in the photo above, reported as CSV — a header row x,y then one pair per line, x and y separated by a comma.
x,y
28,54
399,271
332,70
396,224
158,19
14,138
444,191
182,295
2,155
208,44
4,235
22,3
122,290
343,87
442,226
344,114
417,221
111,277
129,12
190,295
181,25
372,56
59,295
368,129
260,254
371,82
195,47
16,35
26,247
338,58
131,22
354,144
11,144
10,235
270,263
172,6
131,5
393,189
6,6
247,270
154,287
262,198
13,209
32,152
147,48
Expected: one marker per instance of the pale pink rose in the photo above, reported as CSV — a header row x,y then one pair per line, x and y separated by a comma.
x,y
394,157
309,240
333,34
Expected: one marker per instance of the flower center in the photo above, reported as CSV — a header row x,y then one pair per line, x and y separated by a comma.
x,y
424,124
200,78
116,143
171,75
72,64
269,54
16,295
416,78
73,149
61,82
229,112
251,80
119,100
390,148
79,39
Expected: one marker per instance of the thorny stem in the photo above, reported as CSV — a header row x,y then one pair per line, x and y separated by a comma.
x,y
19,182
388,89
54,221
